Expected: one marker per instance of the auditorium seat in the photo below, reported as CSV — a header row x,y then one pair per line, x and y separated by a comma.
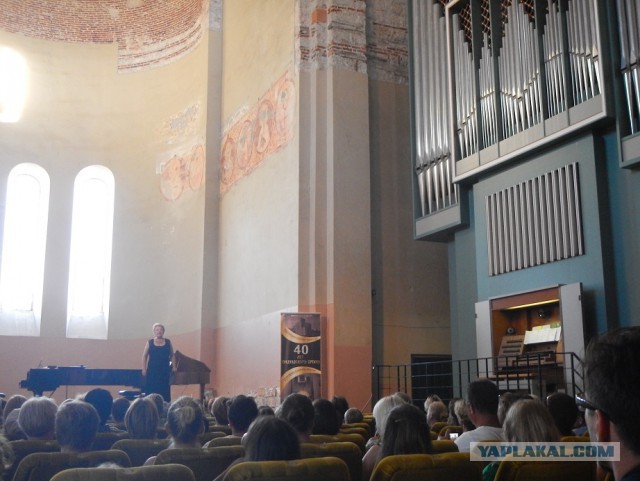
x,y
209,435
357,439
437,427
439,446
366,426
23,447
139,450
546,471
364,432
223,441
426,467
42,466
309,469
167,472
348,452
206,464
448,429
106,440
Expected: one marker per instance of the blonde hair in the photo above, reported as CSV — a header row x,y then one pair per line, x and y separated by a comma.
x,y
530,421
157,324
382,409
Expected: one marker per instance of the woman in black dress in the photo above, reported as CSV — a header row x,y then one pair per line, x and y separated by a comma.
x,y
156,364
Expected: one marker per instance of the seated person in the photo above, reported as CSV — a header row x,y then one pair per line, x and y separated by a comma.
x,y
297,410
268,439
118,411
76,426
265,411
102,400
564,411
353,415
141,419
341,404
380,412
11,427
437,413
219,410
482,404
37,418
242,411
406,432
185,425
326,420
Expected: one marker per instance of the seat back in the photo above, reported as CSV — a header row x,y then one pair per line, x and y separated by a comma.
x,y
439,446
42,466
427,467
309,469
23,447
437,427
363,425
206,464
166,472
357,439
139,450
348,452
364,432
546,471
209,435
223,441
105,440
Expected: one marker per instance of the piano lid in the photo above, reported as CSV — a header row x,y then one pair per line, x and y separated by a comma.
x,y
188,364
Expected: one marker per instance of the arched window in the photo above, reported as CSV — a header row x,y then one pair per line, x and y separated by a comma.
x,y
23,249
90,259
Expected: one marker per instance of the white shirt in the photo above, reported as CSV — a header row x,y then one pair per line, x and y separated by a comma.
x,y
482,433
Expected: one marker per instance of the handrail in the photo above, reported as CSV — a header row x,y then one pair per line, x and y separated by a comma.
x,y
536,373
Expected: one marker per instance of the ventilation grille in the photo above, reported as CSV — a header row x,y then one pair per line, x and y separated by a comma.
x,y
535,222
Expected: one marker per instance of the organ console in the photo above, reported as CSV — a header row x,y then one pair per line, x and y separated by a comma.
x,y
41,379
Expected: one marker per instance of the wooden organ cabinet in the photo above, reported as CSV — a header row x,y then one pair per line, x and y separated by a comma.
x,y
532,341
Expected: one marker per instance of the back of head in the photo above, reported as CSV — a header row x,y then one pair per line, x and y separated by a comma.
x,y
483,396
529,420
141,419
242,411
437,412
564,411
219,410
382,409
452,419
37,418
406,431
265,410
11,427
404,396
613,381
14,402
102,400
353,415
297,410
507,400
341,404
326,420
76,425
158,400
185,420
119,409
271,439
462,413
430,399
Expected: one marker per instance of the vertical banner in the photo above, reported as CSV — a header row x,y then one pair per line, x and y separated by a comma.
x,y
301,343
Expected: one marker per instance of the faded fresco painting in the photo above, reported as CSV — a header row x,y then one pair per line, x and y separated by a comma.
x,y
263,130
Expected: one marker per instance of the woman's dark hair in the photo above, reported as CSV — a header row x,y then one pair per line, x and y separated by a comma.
x,y
297,410
265,411
326,419
341,404
141,419
406,432
271,439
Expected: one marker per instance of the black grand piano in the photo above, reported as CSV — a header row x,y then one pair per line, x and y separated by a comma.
x,y
41,379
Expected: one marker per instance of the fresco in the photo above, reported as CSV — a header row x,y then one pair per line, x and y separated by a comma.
x,y
182,173
264,129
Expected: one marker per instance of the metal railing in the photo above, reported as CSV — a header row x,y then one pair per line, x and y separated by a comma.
x,y
536,373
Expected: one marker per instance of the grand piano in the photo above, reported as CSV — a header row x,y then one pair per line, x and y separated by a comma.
x,y
40,379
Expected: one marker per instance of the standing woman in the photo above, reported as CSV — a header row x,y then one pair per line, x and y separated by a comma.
x,y
156,363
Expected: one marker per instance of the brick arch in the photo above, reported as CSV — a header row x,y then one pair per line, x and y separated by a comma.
x,y
148,32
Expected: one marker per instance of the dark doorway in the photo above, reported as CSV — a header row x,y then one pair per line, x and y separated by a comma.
x,y
431,374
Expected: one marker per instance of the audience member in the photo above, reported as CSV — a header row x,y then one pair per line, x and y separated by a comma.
x,y
185,423
297,410
265,411
12,429
219,410
506,401
452,419
482,404
242,412
268,439
341,404
326,420
102,400
404,396
141,419
406,432
431,398
76,426
462,413
37,418
564,411
14,402
7,457
381,411
353,415
161,405
437,413
612,390
118,411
